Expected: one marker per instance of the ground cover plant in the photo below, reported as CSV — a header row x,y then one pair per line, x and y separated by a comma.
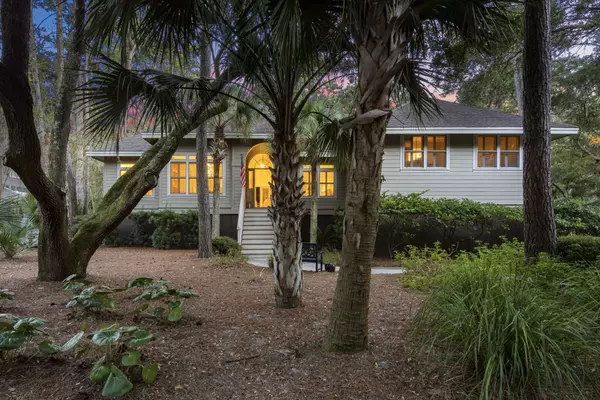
x,y
520,330
151,292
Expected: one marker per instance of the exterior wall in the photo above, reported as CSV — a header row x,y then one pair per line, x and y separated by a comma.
x,y
461,180
232,190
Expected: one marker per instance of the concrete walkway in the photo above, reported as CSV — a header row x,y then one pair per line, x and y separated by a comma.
x,y
310,267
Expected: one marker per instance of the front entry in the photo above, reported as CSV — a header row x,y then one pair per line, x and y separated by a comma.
x,y
258,167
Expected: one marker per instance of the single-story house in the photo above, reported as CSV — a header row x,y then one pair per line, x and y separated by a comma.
x,y
467,152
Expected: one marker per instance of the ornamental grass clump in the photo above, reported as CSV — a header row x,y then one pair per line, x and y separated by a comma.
x,y
519,336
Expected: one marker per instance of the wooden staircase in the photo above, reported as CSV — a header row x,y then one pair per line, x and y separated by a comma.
x,y
257,235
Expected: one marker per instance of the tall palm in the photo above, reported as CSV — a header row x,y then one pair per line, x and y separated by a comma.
x,y
389,43
238,116
281,49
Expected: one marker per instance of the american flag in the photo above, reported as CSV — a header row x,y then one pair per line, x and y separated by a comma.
x,y
242,171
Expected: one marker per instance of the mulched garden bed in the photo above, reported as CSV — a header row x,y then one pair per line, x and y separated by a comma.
x,y
232,343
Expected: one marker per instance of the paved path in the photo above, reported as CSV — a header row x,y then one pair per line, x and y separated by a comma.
x,y
262,262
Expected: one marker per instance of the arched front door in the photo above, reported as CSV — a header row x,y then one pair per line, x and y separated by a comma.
x,y
259,178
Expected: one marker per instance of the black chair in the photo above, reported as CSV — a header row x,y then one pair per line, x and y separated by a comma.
x,y
311,253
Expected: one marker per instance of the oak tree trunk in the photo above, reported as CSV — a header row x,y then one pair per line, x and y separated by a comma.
x,y
204,234
539,222
286,211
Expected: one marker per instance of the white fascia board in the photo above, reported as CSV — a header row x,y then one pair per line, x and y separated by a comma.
x,y
112,153
473,131
229,135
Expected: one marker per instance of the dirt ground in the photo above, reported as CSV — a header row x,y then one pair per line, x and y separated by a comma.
x,y
232,342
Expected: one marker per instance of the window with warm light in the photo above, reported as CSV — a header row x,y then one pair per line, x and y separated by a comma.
x,y
182,175
124,167
498,151
307,180
425,152
326,180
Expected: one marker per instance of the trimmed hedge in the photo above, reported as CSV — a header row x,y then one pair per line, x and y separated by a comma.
x,y
579,248
227,246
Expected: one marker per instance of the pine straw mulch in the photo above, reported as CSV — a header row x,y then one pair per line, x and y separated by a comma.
x,y
232,342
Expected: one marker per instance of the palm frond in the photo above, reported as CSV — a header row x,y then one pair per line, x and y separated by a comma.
x,y
330,141
411,89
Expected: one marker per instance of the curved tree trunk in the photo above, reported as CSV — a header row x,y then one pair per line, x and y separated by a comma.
x,y
539,222
314,204
286,211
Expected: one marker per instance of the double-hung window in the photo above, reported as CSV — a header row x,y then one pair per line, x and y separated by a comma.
x,y
126,166
182,175
326,180
307,180
425,152
498,151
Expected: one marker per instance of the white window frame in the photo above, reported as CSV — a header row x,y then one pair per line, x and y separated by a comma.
x,y
498,154
187,177
146,196
335,181
425,151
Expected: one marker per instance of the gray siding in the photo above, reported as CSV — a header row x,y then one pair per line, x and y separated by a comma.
x,y
461,180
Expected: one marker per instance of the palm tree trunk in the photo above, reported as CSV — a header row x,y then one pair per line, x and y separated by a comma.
x,y
220,148
349,320
286,213
204,234
314,205
539,222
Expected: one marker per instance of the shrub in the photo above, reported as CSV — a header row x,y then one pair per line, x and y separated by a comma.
x,y
85,297
421,266
576,217
579,248
516,332
332,257
175,231
227,246
143,228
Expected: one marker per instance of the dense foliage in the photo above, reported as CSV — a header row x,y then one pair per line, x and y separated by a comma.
x,y
226,246
522,329
579,249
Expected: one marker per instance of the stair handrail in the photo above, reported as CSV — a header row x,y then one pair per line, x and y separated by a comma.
x,y
241,211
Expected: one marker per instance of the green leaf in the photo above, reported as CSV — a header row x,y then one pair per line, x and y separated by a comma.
x,y
117,384
72,342
149,373
131,358
140,338
142,308
140,282
106,337
186,293
175,314
48,348
157,311
11,340
100,371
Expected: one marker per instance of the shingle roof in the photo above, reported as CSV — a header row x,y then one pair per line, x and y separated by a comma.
x,y
456,115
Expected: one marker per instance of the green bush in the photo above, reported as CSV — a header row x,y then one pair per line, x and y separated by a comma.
x,y
143,228
174,230
576,217
517,327
226,246
421,266
579,248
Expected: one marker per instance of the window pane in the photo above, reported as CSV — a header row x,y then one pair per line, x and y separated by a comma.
x,y
430,142
194,186
306,167
306,183
178,157
509,159
326,166
486,159
413,159
192,168
436,159
211,185
408,143
440,142
486,143
174,186
512,143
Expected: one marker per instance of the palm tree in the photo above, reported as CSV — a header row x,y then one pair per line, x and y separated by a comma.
x,y
238,116
389,42
280,53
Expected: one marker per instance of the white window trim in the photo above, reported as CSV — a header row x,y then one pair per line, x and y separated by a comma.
x,y
153,195
335,181
424,167
187,178
476,167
